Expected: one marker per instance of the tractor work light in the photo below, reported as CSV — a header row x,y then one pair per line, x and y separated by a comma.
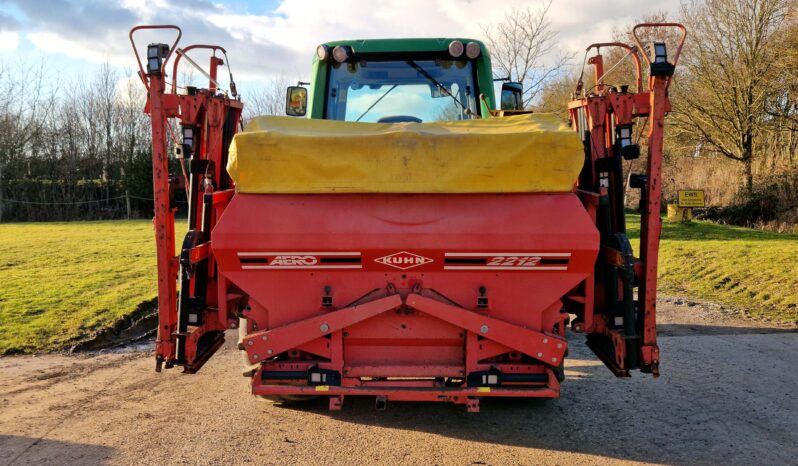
x,y
658,59
323,52
658,52
623,133
456,48
188,141
472,50
342,53
155,55
623,140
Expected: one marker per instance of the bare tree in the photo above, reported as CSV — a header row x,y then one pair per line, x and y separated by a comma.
x,y
105,90
555,96
132,134
730,72
268,99
22,103
523,47
783,103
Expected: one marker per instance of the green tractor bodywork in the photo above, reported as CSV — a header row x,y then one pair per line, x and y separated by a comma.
x,y
399,50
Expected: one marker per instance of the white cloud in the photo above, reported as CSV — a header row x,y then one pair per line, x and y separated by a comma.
x,y
9,40
282,43
49,42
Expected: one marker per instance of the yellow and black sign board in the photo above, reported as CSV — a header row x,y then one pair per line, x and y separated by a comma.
x,y
691,198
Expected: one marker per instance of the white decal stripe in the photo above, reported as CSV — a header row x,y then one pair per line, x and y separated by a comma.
x,y
484,267
299,253
278,267
516,254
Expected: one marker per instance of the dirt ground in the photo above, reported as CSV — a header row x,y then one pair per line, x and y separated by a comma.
x,y
726,395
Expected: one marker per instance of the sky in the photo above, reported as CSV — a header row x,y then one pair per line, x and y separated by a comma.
x,y
273,38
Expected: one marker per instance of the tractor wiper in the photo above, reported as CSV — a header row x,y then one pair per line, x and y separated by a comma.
x,y
376,102
434,81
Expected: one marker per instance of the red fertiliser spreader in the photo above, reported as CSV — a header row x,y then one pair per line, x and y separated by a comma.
x,y
400,235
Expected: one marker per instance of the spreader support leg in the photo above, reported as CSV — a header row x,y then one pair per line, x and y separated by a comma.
x,y
269,343
549,349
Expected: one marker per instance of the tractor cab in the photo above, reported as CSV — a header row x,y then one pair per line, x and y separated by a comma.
x,y
400,80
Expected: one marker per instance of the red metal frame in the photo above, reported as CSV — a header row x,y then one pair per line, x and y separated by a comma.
x,y
210,114
596,116
404,297
651,223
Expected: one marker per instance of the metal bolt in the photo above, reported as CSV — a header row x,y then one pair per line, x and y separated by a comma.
x,y
540,355
264,338
545,340
484,328
324,328
559,345
255,357
250,343
269,351
553,359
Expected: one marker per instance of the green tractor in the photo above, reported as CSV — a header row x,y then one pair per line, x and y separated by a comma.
x,y
401,80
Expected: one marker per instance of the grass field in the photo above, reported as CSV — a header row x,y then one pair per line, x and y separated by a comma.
x,y
752,270
61,281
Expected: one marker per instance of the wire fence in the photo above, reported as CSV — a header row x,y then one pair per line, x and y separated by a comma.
x,y
116,206
18,201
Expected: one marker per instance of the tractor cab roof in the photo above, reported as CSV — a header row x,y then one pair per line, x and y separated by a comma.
x,y
391,46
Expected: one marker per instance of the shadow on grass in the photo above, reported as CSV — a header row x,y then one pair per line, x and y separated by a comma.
x,y
706,231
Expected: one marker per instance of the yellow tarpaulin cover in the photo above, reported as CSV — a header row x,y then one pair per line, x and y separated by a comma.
x,y
522,153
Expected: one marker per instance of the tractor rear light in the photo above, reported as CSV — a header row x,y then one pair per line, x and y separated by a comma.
x,y
342,53
489,378
456,48
472,50
316,376
323,52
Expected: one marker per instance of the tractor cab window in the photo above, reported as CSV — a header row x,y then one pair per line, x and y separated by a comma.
x,y
401,91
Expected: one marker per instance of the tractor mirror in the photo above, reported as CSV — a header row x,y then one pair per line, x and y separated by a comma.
x,y
512,96
296,101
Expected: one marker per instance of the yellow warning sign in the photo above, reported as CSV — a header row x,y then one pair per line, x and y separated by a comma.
x,y
691,198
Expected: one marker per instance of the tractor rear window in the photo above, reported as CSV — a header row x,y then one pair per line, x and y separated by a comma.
x,y
401,90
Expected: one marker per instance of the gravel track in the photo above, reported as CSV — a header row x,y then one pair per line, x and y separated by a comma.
x,y
726,395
